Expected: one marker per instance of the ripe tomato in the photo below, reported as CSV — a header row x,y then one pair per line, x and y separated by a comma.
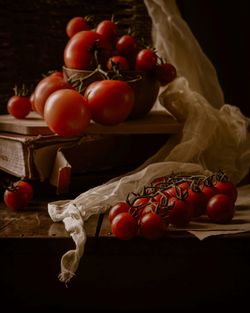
x,y
221,208
76,24
228,188
126,45
180,212
19,106
66,113
79,52
124,226
19,195
197,201
118,61
146,60
151,226
108,29
109,101
46,87
165,73
209,191
119,207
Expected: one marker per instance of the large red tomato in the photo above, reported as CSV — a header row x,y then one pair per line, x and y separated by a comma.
x,y
79,52
109,101
46,87
66,113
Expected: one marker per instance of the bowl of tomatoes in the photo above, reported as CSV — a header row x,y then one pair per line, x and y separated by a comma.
x,y
144,84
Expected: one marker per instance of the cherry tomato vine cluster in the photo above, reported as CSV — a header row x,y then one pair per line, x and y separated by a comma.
x,y
67,109
174,200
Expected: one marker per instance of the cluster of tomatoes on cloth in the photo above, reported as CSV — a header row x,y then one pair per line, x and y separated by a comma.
x,y
68,109
175,201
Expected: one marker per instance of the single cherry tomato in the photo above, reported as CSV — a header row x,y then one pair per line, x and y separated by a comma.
x,y
18,195
19,106
77,24
151,226
209,191
197,201
108,29
117,62
46,87
146,60
165,73
126,45
66,113
119,207
180,212
109,101
228,188
221,209
124,226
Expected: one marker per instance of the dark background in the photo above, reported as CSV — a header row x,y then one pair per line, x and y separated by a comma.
x,y
32,38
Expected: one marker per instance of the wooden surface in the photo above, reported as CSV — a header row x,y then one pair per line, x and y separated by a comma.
x,y
154,123
177,273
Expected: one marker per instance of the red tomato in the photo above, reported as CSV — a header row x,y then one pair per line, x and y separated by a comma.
x,y
46,87
79,52
108,29
109,101
66,113
209,191
124,226
19,106
197,201
146,60
151,226
228,188
119,62
119,207
220,209
126,45
180,212
76,24
19,195
165,73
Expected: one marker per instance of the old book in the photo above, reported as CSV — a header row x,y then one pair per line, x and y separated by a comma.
x,y
30,156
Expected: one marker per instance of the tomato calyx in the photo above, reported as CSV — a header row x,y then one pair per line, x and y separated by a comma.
x,y
22,91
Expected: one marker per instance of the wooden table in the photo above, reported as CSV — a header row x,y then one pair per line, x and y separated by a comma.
x,y
178,272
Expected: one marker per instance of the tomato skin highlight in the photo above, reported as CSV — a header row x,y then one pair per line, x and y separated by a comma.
x,y
221,209
109,101
124,226
19,196
66,113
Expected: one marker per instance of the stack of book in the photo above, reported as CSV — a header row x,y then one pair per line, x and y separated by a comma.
x,y
29,150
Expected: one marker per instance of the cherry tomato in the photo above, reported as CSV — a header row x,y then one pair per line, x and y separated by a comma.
x,y
46,87
124,226
151,226
228,188
165,73
119,207
197,201
109,101
221,208
126,45
79,52
19,106
180,212
118,61
19,195
77,24
209,191
66,113
108,29
146,60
